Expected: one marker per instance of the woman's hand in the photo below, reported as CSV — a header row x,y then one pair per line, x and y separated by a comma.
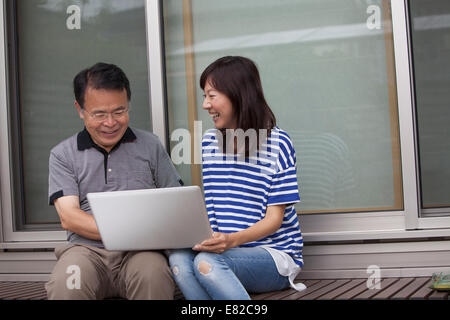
x,y
221,242
218,243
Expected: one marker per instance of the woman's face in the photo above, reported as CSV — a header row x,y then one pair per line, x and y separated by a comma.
x,y
220,108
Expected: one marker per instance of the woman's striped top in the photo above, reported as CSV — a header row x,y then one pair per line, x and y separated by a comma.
x,y
238,189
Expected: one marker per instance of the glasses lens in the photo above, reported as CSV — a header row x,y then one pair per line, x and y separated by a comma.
x,y
100,116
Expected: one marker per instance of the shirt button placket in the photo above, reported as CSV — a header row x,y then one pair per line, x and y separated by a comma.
x,y
109,169
109,158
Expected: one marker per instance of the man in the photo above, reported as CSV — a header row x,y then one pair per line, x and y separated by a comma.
x,y
106,156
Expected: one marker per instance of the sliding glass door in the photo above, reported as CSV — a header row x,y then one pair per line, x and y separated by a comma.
x,y
430,35
328,73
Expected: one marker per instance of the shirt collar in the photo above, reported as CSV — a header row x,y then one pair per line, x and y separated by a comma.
x,y
85,141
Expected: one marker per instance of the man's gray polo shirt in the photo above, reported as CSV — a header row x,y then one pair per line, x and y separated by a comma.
x,y
78,166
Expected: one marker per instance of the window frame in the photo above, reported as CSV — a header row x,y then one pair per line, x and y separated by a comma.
x,y
316,227
432,212
16,144
423,219
8,233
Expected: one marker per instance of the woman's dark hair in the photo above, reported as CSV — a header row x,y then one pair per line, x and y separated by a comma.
x,y
238,78
100,76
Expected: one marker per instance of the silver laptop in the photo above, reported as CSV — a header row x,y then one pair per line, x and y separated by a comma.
x,y
163,218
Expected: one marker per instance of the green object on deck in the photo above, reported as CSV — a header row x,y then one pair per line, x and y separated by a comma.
x,y
440,282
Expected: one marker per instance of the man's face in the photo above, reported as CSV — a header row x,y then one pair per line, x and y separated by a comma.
x,y
105,115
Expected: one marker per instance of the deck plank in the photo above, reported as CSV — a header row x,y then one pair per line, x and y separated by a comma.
x,y
31,293
409,290
265,295
327,289
281,294
17,294
25,290
6,286
422,293
341,290
286,292
310,289
391,288
370,293
438,295
6,290
358,290
349,294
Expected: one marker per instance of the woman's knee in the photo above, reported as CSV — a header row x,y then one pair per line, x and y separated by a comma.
x,y
204,267
204,262
181,261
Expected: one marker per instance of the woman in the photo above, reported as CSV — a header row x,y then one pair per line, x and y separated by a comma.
x,y
250,192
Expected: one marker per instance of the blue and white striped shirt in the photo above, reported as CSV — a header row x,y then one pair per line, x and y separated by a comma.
x,y
238,190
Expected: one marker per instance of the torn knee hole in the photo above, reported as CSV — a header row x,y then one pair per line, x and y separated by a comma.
x,y
204,267
175,270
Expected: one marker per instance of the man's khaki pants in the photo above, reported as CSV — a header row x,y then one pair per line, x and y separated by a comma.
x,y
86,272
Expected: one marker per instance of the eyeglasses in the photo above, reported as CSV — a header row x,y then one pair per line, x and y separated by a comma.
x,y
100,116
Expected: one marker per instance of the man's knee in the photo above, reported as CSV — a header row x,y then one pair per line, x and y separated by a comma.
x,y
74,276
141,262
147,276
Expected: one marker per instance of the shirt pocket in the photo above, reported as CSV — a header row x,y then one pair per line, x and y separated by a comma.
x,y
140,180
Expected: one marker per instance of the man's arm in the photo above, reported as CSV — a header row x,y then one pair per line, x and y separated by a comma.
x,y
74,219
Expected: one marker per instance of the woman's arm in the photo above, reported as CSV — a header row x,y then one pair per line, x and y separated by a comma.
x,y
224,241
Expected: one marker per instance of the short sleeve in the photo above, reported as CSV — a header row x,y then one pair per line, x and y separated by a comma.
x,y
62,180
284,185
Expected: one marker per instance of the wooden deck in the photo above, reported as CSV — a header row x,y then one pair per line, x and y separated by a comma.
x,y
342,289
